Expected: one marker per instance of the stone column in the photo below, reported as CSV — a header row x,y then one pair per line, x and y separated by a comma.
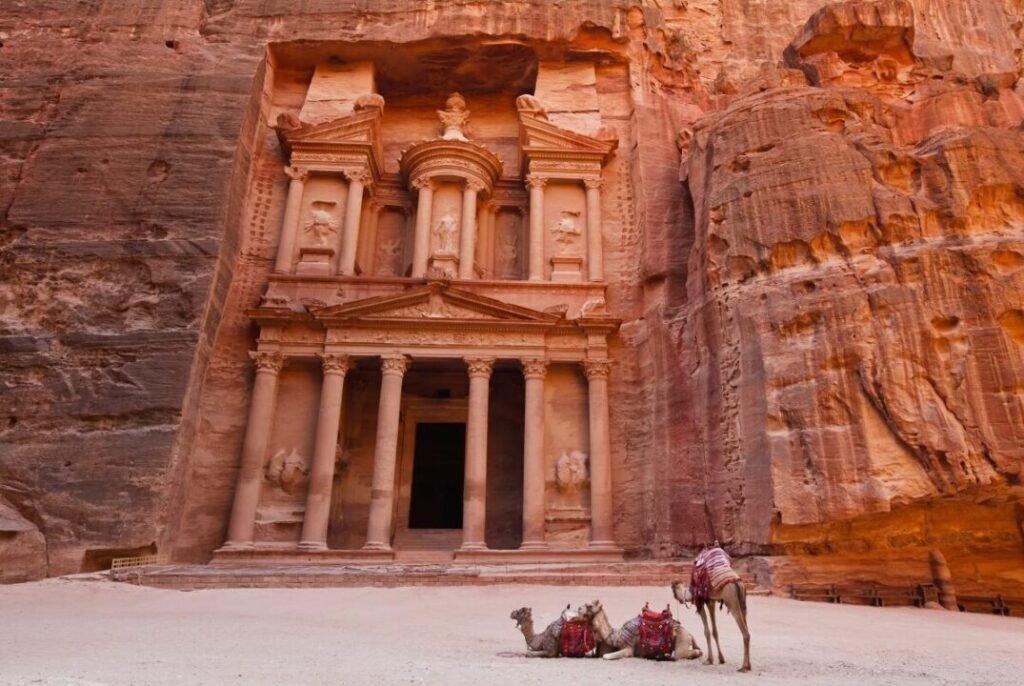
x,y
467,235
290,225
254,449
382,493
357,181
536,185
421,243
600,455
533,455
474,496
321,474
595,251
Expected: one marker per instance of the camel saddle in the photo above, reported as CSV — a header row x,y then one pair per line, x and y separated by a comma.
x,y
577,638
657,638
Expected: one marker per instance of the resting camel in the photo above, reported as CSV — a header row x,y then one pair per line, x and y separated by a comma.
x,y
614,644
734,596
546,644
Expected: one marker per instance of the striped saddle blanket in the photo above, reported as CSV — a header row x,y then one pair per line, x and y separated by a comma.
x,y
711,571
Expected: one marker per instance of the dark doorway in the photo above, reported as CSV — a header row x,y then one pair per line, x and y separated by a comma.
x,y
437,476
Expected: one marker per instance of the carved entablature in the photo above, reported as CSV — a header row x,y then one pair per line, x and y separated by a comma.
x,y
347,145
438,318
452,160
551,151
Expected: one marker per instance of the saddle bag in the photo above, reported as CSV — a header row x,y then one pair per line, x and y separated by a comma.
x,y
657,638
577,638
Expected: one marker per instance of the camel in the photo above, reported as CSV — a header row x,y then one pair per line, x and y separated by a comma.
x,y
734,595
615,644
547,644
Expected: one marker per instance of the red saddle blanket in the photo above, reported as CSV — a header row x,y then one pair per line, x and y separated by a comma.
x,y
656,640
577,638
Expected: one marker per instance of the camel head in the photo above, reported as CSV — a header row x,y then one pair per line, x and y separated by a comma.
x,y
523,615
682,593
589,610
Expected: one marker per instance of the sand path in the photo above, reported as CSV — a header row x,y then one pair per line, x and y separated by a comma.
x,y
79,632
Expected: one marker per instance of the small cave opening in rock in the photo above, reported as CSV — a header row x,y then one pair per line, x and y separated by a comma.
x,y
100,559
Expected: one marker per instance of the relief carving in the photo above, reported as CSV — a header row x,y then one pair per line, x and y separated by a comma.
x,y
566,231
445,230
508,253
287,471
321,224
529,105
571,471
388,255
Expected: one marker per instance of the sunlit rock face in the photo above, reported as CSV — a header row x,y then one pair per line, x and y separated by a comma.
x,y
812,237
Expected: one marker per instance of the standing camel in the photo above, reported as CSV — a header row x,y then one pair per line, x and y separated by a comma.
x,y
722,584
614,644
546,644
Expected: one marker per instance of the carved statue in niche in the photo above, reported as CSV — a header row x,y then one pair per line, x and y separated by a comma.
x,y
444,232
508,252
571,471
566,230
321,223
388,253
287,471
454,118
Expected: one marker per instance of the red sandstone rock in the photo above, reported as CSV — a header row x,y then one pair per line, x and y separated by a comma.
x,y
822,341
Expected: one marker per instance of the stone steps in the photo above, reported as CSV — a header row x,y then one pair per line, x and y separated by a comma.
x,y
195,577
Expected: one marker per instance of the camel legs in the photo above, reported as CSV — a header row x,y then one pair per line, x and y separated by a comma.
x,y
707,635
714,632
731,595
540,653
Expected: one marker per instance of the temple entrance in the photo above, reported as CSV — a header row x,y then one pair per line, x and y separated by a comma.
x,y
438,476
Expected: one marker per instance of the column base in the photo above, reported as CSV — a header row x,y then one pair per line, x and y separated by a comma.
x,y
533,545
377,547
230,546
312,545
603,545
472,548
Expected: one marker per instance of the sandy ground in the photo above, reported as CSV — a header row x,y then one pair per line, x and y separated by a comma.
x,y
80,632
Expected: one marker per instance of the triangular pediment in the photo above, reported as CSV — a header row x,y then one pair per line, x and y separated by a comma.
x,y
361,127
539,134
434,302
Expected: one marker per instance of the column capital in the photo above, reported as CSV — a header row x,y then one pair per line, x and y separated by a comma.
x,y
535,368
269,361
334,363
296,173
593,183
422,182
535,181
362,176
475,185
480,366
394,364
597,369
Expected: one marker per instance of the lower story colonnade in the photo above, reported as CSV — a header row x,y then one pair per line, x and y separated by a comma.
x,y
521,348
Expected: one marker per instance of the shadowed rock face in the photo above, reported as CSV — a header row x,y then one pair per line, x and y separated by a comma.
x,y
822,346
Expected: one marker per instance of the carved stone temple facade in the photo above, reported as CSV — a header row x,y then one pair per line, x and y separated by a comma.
x,y
432,349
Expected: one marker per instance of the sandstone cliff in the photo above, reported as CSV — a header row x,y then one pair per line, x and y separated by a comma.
x,y
822,292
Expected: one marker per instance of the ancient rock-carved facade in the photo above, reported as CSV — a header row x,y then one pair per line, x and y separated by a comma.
x,y
443,291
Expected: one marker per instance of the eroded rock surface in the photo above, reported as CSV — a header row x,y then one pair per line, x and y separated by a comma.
x,y
822,346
